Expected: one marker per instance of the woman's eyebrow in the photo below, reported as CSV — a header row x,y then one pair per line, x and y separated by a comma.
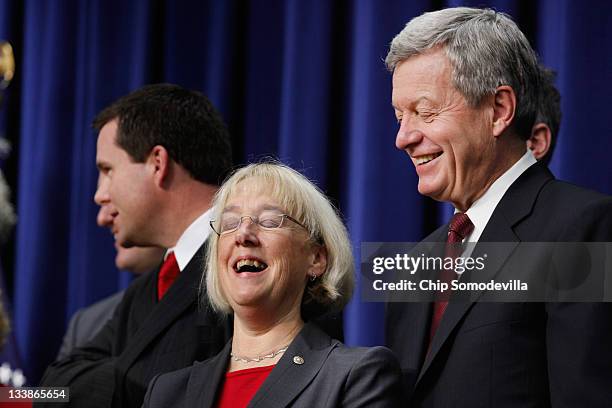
x,y
264,207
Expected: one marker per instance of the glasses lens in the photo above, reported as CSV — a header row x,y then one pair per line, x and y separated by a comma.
x,y
270,220
228,222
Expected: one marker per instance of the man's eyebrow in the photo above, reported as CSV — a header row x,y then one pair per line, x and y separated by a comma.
x,y
415,102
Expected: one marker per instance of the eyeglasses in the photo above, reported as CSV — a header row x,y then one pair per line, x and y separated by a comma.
x,y
229,223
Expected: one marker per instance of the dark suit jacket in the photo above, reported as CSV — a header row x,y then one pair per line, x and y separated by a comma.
x,y
332,375
144,338
87,322
515,354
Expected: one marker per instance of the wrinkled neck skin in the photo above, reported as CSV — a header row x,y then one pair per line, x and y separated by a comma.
x,y
256,333
498,161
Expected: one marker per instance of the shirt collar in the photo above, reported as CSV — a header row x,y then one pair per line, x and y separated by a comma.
x,y
481,210
191,240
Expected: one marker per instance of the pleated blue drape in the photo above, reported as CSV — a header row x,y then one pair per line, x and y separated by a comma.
x,y
301,80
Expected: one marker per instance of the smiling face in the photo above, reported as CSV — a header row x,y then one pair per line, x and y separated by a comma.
x,y
264,269
124,187
451,144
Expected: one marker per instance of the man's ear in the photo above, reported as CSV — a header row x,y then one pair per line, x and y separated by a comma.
x,y
503,109
159,164
539,141
318,265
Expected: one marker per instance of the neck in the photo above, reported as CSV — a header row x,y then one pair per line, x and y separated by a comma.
x,y
182,205
258,338
498,167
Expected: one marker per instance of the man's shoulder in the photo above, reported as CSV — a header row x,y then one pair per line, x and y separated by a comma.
x,y
566,202
88,320
144,284
567,212
103,306
557,191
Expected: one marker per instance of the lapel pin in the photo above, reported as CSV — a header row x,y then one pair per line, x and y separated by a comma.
x,y
298,360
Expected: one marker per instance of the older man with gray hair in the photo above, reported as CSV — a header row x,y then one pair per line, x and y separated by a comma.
x,y
466,85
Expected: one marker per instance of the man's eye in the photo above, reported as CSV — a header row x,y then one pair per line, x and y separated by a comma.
x,y
427,116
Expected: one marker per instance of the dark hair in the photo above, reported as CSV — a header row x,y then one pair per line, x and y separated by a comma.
x,y
183,121
549,108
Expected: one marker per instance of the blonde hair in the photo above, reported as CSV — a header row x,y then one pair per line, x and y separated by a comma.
x,y
304,201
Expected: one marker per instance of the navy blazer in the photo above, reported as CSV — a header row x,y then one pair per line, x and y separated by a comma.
x,y
85,323
521,354
145,337
331,375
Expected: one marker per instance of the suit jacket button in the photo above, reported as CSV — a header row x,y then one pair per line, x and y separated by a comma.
x,y
298,360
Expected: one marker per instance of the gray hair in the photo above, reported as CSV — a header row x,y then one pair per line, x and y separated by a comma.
x,y
304,201
485,49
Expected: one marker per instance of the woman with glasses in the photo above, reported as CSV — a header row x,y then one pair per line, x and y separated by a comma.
x,y
280,256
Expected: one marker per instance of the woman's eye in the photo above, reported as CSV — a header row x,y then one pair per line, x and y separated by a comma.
x,y
229,223
270,221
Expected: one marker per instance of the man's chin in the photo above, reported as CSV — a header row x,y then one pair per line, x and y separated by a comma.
x,y
430,191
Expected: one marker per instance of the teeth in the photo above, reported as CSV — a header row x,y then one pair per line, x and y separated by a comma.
x,y
249,262
425,158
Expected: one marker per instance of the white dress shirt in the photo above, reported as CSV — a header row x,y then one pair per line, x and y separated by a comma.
x,y
191,240
481,210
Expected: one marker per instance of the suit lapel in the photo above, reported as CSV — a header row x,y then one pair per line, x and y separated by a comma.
x,y
181,295
456,309
206,379
516,204
287,380
421,312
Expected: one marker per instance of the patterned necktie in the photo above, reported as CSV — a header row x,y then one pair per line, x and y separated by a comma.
x,y
459,228
168,273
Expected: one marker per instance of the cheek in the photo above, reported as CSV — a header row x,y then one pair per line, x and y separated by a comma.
x,y
223,254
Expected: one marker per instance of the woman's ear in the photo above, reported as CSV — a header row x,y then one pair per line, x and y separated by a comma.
x,y
318,265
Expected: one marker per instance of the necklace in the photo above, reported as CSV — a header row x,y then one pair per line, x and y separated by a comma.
x,y
257,359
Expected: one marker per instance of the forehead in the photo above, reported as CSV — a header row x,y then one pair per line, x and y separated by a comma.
x,y
251,193
425,75
107,149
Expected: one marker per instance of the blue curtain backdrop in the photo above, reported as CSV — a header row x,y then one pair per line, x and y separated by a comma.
x,y
302,80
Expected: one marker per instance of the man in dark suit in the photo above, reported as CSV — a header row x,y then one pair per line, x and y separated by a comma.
x,y
465,92
88,321
162,152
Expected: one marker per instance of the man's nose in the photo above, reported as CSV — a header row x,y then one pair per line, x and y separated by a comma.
x,y
101,195
408,135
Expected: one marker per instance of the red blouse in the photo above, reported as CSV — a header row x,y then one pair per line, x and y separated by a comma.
x,y
240,386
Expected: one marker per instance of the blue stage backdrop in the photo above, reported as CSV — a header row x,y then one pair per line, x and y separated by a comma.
x,y
301,80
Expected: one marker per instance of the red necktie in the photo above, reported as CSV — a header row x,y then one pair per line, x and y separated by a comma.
x,y
168,273
459,228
